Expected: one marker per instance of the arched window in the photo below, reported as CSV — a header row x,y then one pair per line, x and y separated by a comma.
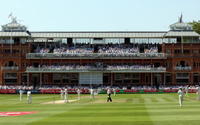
x,y
182,64
10,64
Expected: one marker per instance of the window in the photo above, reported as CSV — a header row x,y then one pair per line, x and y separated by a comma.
x,y
74,81
182,64
10,64
7,51
118,81
98,41
194,64
57,78
136,81
98,38
182,78
141,40
168,78
168,51
74,76
82,40
10,81
196,51
10,75
23,40
118,76
65,80
114,40
127,76
155,40
177,51
186,51
66,75
127,81
182,75
135,76
182,81
24,78
196,78
15,51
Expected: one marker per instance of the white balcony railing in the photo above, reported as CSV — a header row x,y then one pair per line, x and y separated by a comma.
x,y
94,55
152,69
183,68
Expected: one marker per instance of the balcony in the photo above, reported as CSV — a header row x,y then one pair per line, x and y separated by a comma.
x,y
180,68
93,69
10,68
96,56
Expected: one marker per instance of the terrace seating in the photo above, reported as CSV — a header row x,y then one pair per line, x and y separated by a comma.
x,y
108,49
96,67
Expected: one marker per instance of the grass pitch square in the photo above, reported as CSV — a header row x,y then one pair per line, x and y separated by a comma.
x,y
129,109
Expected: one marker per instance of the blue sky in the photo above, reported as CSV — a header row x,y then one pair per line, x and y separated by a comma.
x,y
99,15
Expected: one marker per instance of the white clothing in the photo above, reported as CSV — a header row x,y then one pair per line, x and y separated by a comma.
x,y
21,94
61,94
66,95
114,90
198,93
180,97
91,93
29,97
79,92
108,91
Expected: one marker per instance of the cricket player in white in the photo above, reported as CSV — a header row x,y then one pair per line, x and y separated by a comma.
x,y
62,94
65,95
108,91
114,90
29,97
186,90
180,96
79,94
91,93
20,94
198,93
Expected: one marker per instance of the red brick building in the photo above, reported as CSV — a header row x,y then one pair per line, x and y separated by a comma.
x,y
116,58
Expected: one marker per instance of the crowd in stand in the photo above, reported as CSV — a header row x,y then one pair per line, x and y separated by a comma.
x,y
132,67
106,49
104,67
151,50
72,50
118,49
42,50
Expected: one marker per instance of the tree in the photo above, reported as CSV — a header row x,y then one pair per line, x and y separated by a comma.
x,y
196,26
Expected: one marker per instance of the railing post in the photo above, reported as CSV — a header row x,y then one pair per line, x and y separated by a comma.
x,y
164,79
40,79
151,79
27,79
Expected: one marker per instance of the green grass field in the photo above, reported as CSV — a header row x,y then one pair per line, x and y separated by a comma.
x,y
130,109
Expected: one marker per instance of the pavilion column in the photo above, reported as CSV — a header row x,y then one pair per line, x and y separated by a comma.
x,y
191,79
40,79
111,80
173,79
164,79
20,78
28,79
151,79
